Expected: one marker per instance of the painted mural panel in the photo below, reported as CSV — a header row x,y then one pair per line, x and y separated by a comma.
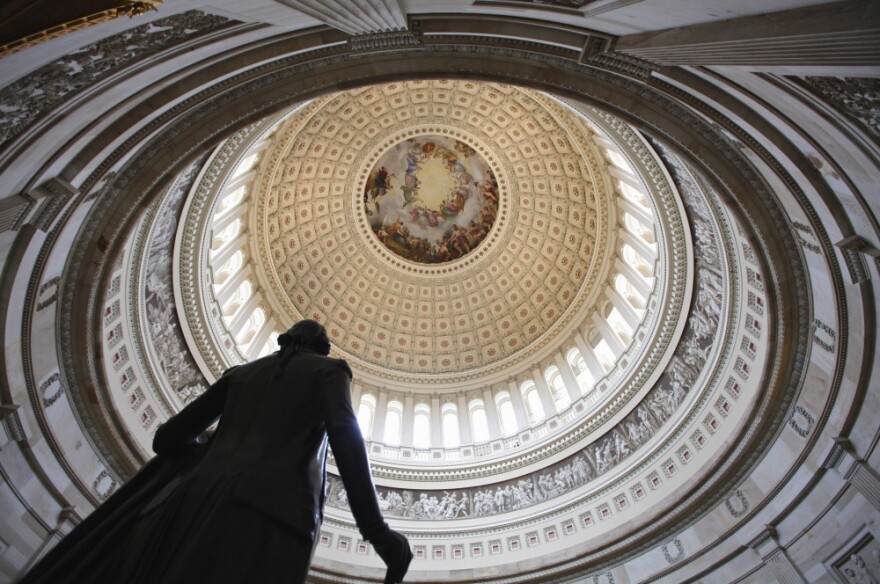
x,y
431,199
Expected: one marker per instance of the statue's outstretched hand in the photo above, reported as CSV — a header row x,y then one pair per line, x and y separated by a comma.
x,y
393,548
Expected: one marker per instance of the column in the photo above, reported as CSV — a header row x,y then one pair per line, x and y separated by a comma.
x,y
782,567
775,558
571,384
545,393
643,249
228,249
409,415
243,314
378,432
623,307
241,179
628,178
865,482
464,420
67,520
519,408
589,357
356,389
239,211
355,18
640,213
228,288
857,473
436,422
636,279
260,339
617,346
491,414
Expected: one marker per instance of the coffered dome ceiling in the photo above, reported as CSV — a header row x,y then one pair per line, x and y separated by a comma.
x,y
344,204
520,259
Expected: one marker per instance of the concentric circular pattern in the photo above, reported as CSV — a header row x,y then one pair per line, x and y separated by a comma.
x,y
497,188
431,199
519,287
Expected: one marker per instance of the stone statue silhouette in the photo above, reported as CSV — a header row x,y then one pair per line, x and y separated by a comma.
x,y
247,507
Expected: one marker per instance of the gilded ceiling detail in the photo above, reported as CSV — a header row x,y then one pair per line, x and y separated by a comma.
x,y
438,226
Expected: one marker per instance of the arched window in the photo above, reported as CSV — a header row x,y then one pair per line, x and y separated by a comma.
x,y
533,401
479,421
581,371
557,387
231,200
272,344
506,415
251,328
238,298
366,412
393,423
633,194
226,235
269,346
245,165
619,325
636,227
617,160
576,360
232,265
629,292
637,262
451,438
422,426
605,355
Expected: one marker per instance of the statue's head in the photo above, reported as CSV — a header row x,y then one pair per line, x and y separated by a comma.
x,y
306,334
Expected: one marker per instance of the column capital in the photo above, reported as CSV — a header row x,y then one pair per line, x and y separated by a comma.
x,y
767,535
839,448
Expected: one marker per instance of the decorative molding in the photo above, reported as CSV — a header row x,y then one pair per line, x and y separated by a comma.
x,y
737,504
621,63
855,249
801,421
104,485
51,196
678,555
384,41
768,534
48,293
128,8
827,340
841,447
24,102
13,211
858,98
51,389
151,309
11,421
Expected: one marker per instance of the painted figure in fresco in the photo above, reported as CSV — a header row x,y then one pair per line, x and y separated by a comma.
x,y
442,225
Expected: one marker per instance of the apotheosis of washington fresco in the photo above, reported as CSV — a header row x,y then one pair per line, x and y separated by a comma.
x,y
431,199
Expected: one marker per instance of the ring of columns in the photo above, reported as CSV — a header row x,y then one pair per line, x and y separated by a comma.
x,y
586,358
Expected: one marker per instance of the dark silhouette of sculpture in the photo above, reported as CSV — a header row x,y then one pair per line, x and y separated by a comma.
x,y
246,507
